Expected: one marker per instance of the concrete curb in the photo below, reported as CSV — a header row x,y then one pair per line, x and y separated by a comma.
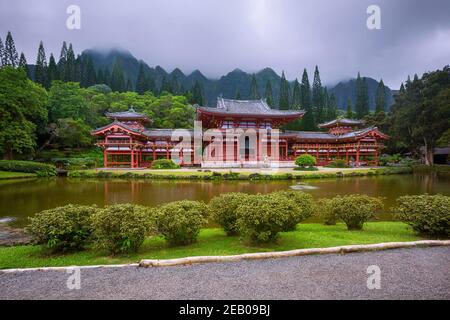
x,y
292,253
247,256
63,269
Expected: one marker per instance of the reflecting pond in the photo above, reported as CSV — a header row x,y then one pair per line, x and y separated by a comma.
x,y
23,198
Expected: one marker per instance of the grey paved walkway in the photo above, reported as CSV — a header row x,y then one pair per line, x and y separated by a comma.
x,y
421,273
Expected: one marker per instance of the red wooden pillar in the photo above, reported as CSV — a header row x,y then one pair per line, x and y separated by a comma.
x,y
167,151
357,155
154,152
346,154
132,158
105,158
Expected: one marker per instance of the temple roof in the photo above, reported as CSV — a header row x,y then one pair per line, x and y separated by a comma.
x,y
249,107
163,132
325,136
342,122
128,115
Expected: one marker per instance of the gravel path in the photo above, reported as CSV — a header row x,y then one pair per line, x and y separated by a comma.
x,y
419,273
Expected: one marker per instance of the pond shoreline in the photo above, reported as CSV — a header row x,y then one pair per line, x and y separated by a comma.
x,y
238,174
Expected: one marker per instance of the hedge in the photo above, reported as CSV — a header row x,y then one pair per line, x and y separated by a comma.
x,y
41,169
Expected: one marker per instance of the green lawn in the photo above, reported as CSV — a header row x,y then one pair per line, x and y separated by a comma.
x,y
15,175
214,242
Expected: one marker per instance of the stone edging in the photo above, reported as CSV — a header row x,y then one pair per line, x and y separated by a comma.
x,y
292,253
249,256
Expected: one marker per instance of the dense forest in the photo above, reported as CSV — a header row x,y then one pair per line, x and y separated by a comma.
x,y
54,104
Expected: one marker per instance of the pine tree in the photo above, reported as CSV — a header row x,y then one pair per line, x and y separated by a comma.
x,y
254,91
23,64
40,70
308,118
296,96
78,69
284,93
332,107
268,93
2,53
69,68
237,95
129,86
402,88
175,84
150,84
141,80
317,97
90,76
52,70
107,77
380,100
117,78
165,86
62,61
11,58
197,94
349,114
362,98
100,77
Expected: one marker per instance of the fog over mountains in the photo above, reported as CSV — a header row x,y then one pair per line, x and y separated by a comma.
x,y
227,85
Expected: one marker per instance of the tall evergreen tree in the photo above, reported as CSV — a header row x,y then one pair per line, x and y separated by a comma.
x,y
197,94
129,87
349,114
107,77
380,100
11,58
78,69
237,95
284,93
69,67
362,98
175,84
23,64
150,84
254,91
141,81
296,95
117,82
52,70
2,53
268,93
308,118
332,107
40,70
317,97
62,61
165,86
90,77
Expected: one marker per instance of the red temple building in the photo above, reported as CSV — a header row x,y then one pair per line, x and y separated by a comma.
x,y
249,134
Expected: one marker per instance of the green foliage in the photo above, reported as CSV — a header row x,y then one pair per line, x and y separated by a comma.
x,y
42,169
164,164
305,160
426,214
355,209
304,207
284,93
22,111
120,228
72,133
75,163
262,217
338,163
180,222
62,228
223,210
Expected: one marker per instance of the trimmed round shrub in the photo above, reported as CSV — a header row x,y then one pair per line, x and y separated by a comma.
x,y
305,160
262,217
356,209
164,164
63,228
223,210
304,207
426,214
180,222
120,228
324,210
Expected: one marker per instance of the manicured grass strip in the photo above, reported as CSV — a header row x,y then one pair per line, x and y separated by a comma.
x,y
214,242
15,175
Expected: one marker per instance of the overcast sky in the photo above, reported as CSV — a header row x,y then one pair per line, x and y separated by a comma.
x,y
217,36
